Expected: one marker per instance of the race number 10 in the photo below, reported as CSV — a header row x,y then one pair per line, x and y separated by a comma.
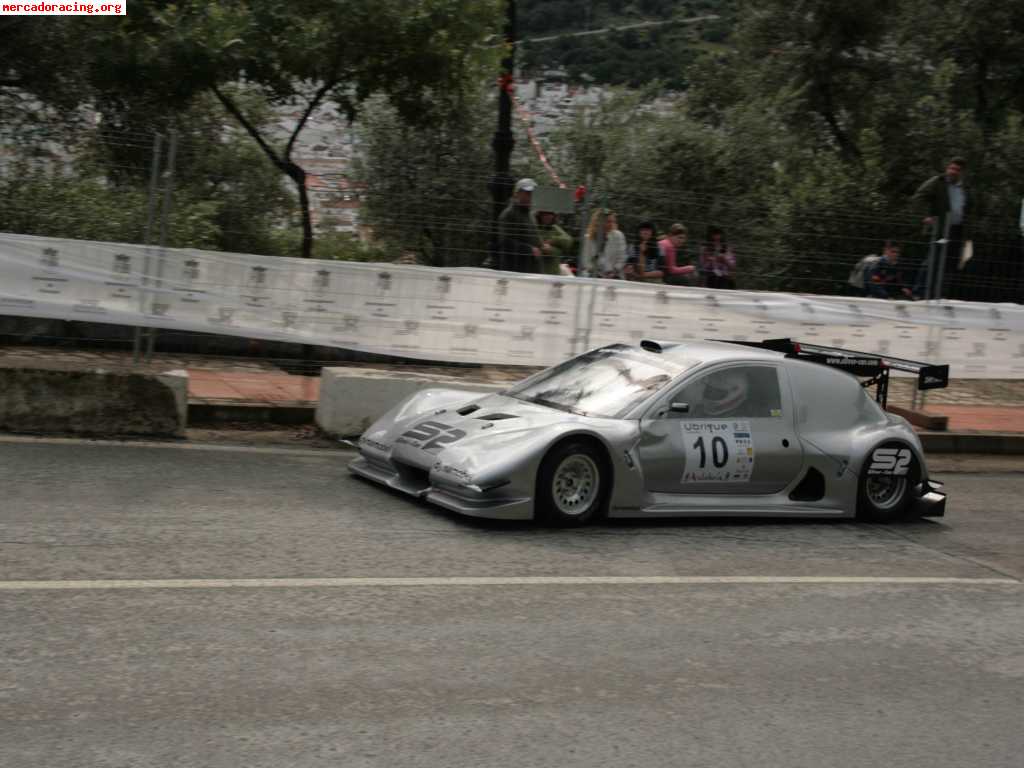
x,y
719,452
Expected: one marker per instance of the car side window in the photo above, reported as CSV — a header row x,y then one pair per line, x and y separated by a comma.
x,y
741,391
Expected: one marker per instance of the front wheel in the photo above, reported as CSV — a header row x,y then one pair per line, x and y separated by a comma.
x,y
571,485
887,480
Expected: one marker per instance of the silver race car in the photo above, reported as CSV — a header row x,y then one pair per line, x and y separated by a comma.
x,y
665,429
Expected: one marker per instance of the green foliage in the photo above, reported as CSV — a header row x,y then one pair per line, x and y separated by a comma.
x,y
86,207
145,71
32,61
330,245
427,185
621,56
226,197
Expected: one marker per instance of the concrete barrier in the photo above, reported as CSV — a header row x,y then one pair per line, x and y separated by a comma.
x,y
101,403
1011,443
931,421
351,399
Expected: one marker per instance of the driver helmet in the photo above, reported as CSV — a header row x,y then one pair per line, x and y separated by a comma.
x,y
724,392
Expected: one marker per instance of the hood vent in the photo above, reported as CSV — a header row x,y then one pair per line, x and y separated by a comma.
x,y
497,417
468,409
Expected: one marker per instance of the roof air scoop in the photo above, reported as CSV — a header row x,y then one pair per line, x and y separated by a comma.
x,y
649,345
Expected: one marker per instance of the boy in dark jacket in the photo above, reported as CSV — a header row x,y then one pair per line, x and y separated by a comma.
x,y
884,279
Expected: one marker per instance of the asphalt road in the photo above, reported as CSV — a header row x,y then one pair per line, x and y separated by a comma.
x,y
282,613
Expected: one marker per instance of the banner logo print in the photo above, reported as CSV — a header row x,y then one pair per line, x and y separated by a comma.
x,y
50,258
257,276
190,271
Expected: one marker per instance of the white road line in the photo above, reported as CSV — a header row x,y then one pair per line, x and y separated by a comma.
x,y
492,581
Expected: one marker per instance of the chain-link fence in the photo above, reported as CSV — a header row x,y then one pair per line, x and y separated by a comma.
x,y
205,198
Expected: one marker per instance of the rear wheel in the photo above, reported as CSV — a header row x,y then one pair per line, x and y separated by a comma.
x,y
571,484
887,480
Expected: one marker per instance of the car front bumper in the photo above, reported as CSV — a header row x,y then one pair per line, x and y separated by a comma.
x,y
460,499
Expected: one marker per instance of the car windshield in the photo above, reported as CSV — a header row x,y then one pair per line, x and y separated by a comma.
x,y
605,382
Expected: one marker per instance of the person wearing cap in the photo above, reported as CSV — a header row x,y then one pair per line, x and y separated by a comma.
x,y
520,242
556,243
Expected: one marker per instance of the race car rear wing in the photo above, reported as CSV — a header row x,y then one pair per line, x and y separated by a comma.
x,y
874,367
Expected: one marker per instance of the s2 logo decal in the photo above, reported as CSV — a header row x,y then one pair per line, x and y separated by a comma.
x,y
890,461
432,434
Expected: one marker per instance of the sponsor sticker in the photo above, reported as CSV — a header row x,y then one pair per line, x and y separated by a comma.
x,y
718,451
890,461
429,435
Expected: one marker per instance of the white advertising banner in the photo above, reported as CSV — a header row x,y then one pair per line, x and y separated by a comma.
x,y
471,315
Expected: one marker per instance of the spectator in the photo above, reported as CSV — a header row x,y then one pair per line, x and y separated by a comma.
x,y
645,255
556,243
604,248
593,241
674,264
519,241
946,200
717,261
884,278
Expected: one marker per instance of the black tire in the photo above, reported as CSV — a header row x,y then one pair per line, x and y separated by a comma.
x,y
886,497
572,484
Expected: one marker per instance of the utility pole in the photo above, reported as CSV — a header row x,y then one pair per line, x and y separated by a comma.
x,y
503,142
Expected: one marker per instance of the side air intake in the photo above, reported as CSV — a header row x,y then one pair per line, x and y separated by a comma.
x,y
811,488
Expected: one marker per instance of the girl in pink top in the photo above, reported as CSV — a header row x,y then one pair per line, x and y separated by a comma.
x,y
672,254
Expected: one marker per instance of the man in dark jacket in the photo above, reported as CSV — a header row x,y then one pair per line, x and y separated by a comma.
x,y
945,200
519,240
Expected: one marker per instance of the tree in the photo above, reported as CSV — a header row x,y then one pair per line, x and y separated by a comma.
x,y
426,185
31,64
226,196
41,89
825,53
983,39
303,55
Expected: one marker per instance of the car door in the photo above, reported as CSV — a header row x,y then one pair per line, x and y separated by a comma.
x,y
735,434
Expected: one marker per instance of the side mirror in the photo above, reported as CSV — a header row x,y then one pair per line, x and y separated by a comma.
x,y
679,407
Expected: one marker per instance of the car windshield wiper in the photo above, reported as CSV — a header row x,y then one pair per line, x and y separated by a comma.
x,y
553,404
